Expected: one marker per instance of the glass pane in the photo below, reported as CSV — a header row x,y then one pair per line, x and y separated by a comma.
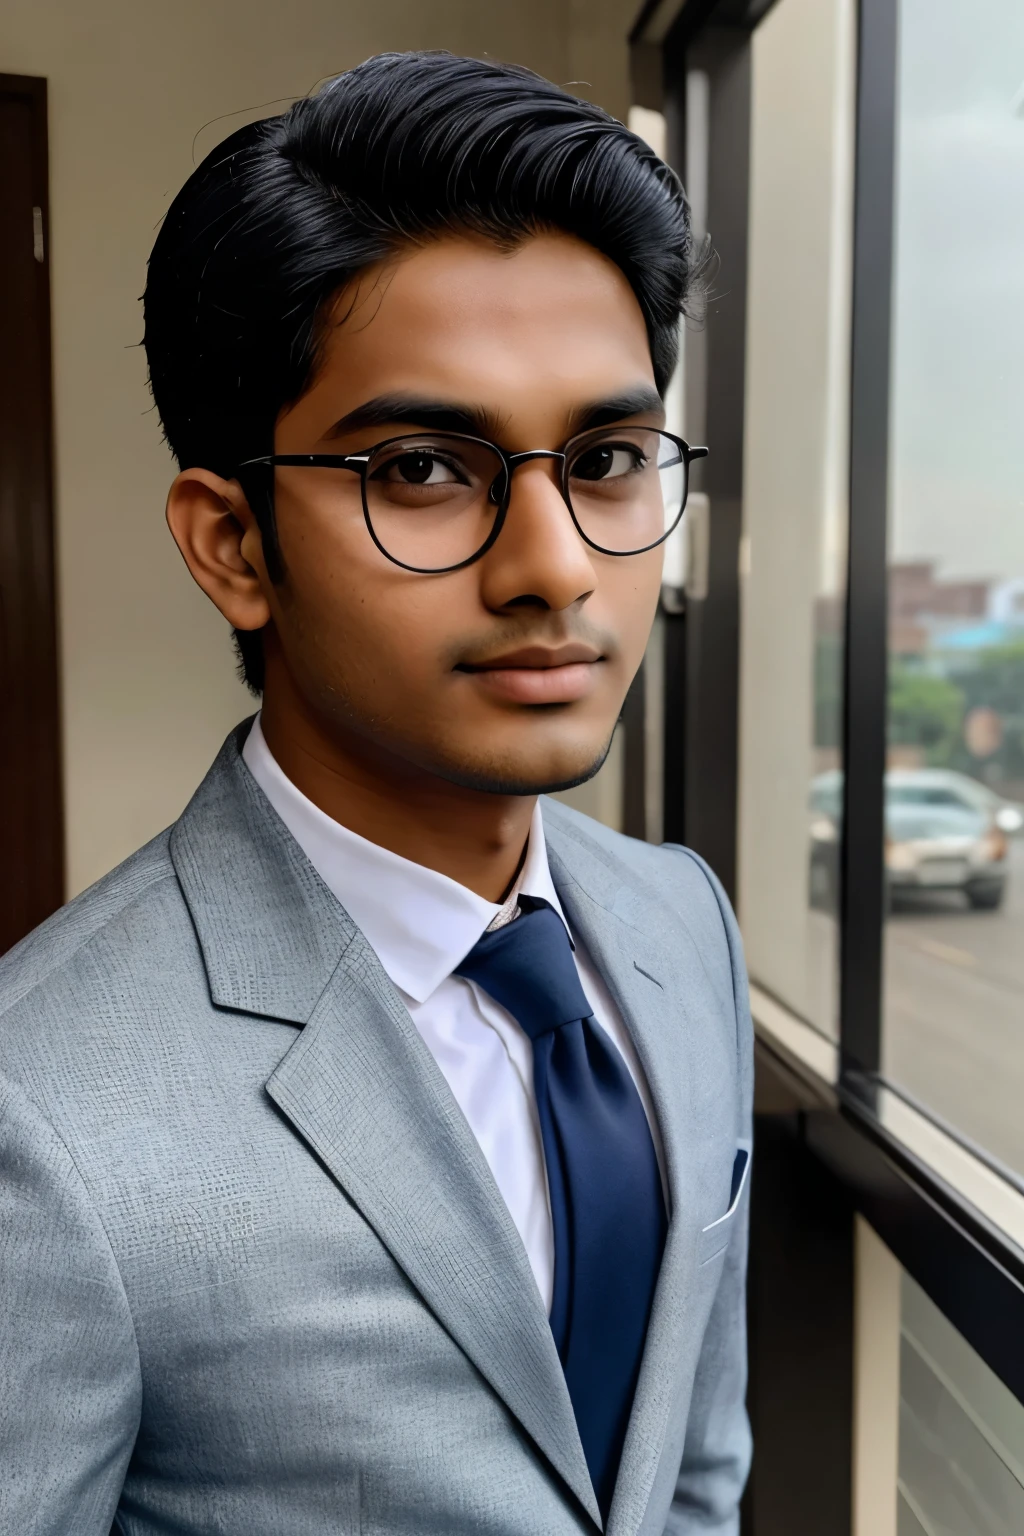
x,y
954,990
961,1432
793,571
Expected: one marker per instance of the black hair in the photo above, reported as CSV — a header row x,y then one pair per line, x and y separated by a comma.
x,y
286,211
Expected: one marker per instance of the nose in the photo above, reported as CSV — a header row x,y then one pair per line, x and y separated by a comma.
x,y
539,559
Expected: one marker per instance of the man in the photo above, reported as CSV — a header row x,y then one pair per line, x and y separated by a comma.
x,y
375,1141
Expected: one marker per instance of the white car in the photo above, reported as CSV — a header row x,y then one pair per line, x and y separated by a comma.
x,y
943,832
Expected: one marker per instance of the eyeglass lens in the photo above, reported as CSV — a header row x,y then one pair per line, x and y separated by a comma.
x,y
432,499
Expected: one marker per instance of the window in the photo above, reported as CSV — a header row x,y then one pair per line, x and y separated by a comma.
x,y
880,871
954,789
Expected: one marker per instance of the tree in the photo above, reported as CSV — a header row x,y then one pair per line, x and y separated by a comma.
x,y
926,712
996,681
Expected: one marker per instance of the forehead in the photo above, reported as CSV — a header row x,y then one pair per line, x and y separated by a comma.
x,y
552,321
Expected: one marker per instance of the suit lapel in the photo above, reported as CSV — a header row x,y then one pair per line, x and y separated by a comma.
x,y
270,931
362,1089
653,970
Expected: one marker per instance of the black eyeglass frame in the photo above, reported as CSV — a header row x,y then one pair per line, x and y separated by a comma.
x,y
359,463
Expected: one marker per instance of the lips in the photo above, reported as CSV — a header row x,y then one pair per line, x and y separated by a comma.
x,y
538,674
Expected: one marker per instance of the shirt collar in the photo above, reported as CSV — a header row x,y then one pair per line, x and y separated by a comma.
x,y
419,923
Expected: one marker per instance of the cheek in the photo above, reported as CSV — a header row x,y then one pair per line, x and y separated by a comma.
x,y
629,591
352,619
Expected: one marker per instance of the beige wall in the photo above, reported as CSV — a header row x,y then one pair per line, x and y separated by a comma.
x,y
148,683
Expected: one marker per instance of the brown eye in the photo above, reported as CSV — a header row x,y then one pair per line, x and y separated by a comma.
x,y
419,468
608,461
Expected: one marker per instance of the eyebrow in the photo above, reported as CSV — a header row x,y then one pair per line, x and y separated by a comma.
x,y
478,421
418,411
641,400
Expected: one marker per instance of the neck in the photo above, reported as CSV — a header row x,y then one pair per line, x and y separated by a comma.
x,y
475,838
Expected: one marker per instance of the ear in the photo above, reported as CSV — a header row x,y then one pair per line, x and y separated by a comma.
x,y
214,527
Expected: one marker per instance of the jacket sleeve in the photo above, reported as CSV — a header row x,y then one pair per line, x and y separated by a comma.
x,y
717,1449
69,1363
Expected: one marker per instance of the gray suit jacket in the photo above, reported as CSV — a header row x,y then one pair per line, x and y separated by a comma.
x,y
256,1276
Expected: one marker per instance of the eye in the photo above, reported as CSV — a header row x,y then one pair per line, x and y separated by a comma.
x,y
420,467
608,461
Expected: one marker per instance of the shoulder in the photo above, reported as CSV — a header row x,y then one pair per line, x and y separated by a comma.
x,y
93,960
666,890
669,872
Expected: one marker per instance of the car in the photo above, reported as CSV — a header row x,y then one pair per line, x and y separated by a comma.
x,y
946,786
943,832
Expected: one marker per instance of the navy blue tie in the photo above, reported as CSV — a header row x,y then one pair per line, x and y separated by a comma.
x,y
606,1202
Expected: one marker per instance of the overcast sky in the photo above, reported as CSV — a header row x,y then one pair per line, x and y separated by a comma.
x,y
957,448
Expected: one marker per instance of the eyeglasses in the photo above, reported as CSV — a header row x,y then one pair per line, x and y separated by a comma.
x,y
436,501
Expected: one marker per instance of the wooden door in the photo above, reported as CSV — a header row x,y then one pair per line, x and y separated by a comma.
x,y
31,830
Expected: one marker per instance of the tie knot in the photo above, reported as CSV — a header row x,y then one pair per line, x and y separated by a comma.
x,y
528,968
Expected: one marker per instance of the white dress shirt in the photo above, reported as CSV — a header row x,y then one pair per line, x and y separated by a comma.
x,y
421,924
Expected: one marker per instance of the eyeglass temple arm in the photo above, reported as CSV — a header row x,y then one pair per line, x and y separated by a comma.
x,y
358,460
317,460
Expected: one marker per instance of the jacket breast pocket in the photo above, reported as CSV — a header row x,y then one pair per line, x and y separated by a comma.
x,y
715,1237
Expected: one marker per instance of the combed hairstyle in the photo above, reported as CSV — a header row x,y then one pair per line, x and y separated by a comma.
x,y
287,211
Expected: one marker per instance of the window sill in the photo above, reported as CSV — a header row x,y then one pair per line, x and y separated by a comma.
x,y
953,1220
917,1141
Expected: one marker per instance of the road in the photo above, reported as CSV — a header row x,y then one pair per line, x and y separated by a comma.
x,y
953,1030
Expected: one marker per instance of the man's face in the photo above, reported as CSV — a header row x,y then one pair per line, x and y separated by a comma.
x,y
509,674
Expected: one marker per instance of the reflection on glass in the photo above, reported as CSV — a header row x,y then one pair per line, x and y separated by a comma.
x,y
793,568
954,850
961,1435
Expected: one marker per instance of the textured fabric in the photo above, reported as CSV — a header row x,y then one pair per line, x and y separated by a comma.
x,y
509,910
255,1274
607,1207
420,924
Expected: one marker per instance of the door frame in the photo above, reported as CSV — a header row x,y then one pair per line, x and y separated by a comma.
x,y
41,816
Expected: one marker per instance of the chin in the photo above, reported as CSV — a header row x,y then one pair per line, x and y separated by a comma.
x,y
515,774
